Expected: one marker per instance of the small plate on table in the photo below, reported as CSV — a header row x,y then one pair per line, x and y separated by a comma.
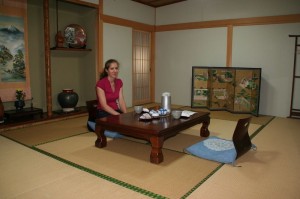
x,y
145,117
145,120
145,110
186,114
155,117
185,117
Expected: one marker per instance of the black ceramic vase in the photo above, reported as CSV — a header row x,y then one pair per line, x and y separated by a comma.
x,y
67,99
19,104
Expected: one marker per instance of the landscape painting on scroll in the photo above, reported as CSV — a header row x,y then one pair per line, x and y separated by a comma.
x,y
14,68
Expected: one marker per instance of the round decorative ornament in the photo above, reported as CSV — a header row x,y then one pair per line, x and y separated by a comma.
x,y
75,36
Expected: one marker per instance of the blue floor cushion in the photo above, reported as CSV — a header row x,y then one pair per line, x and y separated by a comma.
x,y
214,148
107,133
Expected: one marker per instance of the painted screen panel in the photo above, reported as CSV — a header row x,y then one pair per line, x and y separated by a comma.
x,y
221,88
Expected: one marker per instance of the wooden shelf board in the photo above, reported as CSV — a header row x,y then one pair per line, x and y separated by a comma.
x,y
80,111
70,49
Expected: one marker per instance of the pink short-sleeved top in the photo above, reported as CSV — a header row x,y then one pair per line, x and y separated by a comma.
x,y
111,97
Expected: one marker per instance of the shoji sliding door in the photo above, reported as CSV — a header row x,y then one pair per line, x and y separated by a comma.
x,y
141,67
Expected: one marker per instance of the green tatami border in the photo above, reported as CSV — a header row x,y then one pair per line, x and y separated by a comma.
x,y
103,176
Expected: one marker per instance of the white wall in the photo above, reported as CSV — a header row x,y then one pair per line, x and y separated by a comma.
x,y
265,46
178,51
127,9
207,10
118,39
92,1
117,44
270,48
68,69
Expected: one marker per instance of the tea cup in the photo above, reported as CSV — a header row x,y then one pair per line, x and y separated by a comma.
x,y
138,109
176,114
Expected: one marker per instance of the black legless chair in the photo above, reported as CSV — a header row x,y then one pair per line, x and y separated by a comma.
x,y
92,109
241,138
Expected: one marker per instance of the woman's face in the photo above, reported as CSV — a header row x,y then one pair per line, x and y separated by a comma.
x,y
113,70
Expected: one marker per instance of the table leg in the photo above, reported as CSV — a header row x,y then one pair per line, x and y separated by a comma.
x,y
156,155
204,132
101,138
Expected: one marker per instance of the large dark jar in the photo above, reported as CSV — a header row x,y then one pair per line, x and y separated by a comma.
x,y
67,99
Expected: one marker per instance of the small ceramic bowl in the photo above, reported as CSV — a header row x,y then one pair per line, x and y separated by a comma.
x,y
138,109
176,114
162,112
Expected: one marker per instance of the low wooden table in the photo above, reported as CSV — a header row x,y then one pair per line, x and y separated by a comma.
x,y
155,131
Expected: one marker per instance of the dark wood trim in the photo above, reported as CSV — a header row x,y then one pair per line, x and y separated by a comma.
x,y
292,18
292,113
78,2
69,49
128,23
158,3
100,40
47,57
281,19
295,18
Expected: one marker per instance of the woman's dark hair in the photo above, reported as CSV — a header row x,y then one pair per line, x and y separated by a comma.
x,y
106,67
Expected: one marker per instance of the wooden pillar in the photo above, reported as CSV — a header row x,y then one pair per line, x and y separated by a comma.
x,y
100,39
47,57
229,46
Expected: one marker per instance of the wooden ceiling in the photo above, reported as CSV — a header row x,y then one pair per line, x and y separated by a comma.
x,y
158,3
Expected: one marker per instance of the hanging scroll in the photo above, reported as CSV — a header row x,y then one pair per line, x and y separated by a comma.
x,y
14,65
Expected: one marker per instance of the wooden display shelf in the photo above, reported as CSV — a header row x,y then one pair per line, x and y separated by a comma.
x,y
38,119
71,49
24,114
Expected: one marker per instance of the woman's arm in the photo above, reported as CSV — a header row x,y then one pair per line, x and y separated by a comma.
x,y
122,101
103,103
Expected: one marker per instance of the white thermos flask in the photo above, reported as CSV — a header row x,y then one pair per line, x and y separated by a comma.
x,y
166,101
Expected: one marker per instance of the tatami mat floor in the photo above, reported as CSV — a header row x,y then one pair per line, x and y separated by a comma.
x,y
269,172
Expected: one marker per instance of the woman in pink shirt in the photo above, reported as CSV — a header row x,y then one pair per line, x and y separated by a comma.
x,y
109,90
